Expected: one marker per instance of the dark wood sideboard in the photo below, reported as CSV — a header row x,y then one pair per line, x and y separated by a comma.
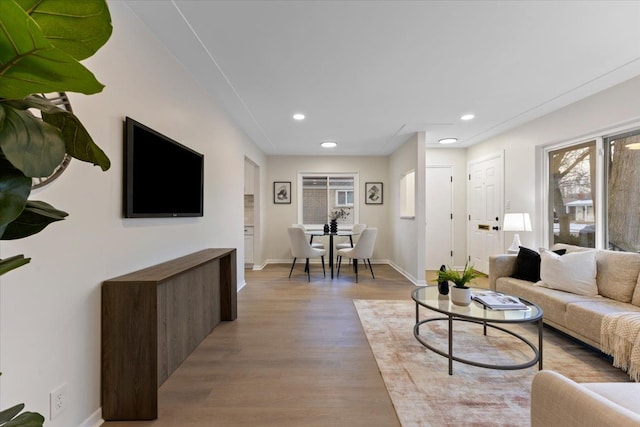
x,y
152,319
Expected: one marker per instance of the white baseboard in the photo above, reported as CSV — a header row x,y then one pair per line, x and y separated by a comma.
x,y
241,285
412,278
95,420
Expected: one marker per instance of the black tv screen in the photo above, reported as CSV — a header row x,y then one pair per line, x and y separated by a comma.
x,y
162,178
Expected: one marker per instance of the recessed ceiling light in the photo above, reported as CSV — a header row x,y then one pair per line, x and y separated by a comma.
x,y
328,144
447,140
467,117
298,116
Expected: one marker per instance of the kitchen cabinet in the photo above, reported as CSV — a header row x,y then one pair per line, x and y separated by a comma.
x,y
248,246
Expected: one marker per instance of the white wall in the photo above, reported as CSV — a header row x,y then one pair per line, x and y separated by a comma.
x,y
50,309
610,111
457,159
280,216
408,235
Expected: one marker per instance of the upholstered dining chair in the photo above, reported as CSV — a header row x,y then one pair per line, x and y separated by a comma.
x,y
356,230
362,250
301,248
316,245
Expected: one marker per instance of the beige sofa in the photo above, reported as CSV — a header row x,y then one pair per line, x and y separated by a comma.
x,y
557,401
577,315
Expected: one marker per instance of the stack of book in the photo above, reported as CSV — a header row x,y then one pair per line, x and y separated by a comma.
x,y
498,301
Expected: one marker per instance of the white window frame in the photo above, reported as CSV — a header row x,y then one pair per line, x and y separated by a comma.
x,y
346,198
356,195
600,212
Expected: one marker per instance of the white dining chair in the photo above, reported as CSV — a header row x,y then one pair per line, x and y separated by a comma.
x,y
316,245
356,230
301,248
362,250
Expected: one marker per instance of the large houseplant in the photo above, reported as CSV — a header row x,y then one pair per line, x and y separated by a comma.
x,y
41,44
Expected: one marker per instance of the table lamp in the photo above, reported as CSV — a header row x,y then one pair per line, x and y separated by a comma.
x,y
516,222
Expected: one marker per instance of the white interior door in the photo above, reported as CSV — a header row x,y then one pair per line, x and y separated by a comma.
x,y
485,205
439,216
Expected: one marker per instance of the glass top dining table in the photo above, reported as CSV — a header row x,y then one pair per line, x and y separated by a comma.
x,y
315,233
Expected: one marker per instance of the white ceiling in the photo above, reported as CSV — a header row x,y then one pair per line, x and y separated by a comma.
x,y
369,74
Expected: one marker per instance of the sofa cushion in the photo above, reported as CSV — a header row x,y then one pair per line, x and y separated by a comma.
x,y
635,300
569,248
528,264
585,317
624,394
617,274
574,272
553,302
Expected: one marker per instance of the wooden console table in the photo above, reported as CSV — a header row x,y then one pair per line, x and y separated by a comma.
x,y
152,319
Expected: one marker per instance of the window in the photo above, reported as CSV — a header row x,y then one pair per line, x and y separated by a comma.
x,y
623,192
571,194
344,198
594,200
321,195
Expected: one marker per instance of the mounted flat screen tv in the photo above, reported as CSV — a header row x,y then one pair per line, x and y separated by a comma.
x,y
162,178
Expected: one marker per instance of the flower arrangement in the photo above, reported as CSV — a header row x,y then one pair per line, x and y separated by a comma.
x,y
341,213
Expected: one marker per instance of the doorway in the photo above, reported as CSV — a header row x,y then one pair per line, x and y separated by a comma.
x,y
485,205
251,212
439,216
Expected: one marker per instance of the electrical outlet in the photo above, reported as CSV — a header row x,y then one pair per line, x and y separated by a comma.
x,y
58,400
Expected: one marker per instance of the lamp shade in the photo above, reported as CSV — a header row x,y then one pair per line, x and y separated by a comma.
x,y
516,222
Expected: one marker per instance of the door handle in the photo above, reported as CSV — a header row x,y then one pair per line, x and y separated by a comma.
x,y
495,227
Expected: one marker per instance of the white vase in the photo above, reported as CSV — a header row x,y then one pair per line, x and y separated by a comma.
x,y
460,296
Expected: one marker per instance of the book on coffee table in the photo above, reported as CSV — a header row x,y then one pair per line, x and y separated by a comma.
x,y
498,301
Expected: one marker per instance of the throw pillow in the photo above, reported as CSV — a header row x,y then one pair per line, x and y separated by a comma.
x,y
574,272
527,265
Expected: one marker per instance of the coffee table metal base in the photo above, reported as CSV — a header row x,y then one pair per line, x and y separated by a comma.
x,y
537,351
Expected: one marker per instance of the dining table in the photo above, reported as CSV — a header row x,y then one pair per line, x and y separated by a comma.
x,y
320,233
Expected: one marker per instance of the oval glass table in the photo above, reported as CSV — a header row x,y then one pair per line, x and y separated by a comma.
x,y
429,298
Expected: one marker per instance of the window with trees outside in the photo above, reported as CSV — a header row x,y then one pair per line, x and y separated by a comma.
x,y
589,213
322,196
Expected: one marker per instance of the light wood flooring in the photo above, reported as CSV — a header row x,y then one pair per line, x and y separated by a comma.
x,y
296,356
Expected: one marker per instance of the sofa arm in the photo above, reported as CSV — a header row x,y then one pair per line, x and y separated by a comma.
x,y
557,401
501,266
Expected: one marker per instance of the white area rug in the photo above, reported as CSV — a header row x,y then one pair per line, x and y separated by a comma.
x,y
423,392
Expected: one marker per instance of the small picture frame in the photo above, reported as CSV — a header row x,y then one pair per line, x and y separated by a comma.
x,y
373,193
282,192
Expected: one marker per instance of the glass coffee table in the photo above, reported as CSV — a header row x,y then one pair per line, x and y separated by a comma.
x,y
429,298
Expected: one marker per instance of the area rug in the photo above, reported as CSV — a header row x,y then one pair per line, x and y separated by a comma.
x,y
424,394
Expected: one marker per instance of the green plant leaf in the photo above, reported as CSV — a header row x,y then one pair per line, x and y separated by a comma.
x,y
14,191
7,265
26,419
460,279
10,413
79,28
31,145
78,142
29,63
35,216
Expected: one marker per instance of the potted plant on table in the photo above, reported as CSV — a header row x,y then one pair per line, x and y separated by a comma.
x,y
460,292
337,214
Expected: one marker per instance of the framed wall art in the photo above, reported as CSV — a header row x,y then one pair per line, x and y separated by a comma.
x,y
282,192
373,193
